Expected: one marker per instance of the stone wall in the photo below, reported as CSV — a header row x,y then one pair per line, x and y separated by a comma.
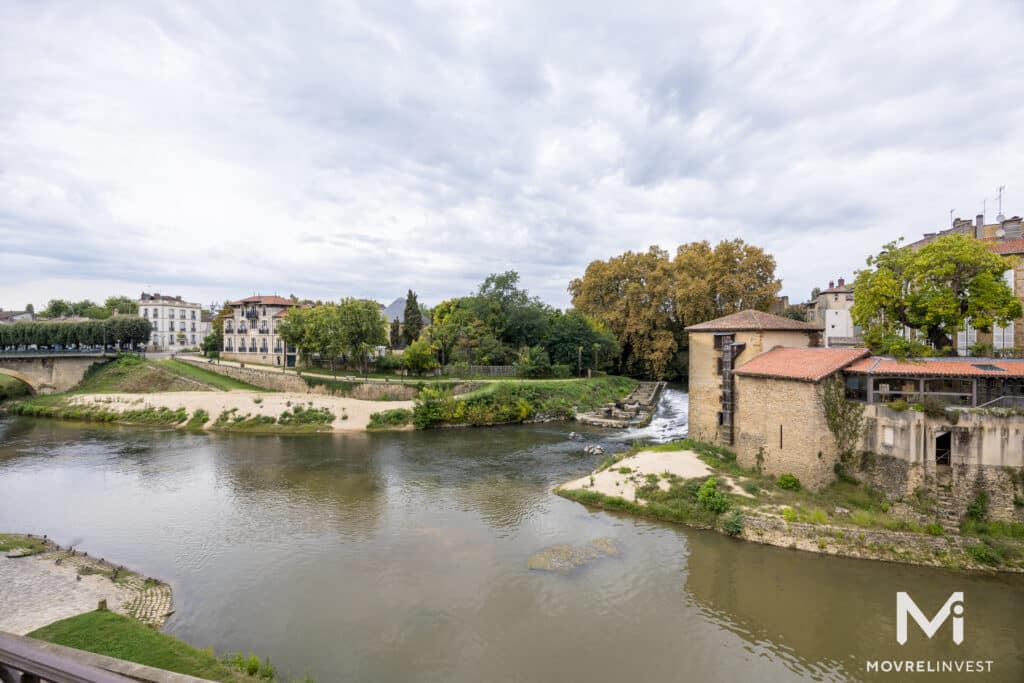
x,y
265,379
47,375
780,426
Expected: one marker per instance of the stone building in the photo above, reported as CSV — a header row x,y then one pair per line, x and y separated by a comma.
x,y
717,347
759,390
177,324
250,333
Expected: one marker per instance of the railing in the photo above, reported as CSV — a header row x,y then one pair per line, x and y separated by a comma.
x,y
25,660
60,352
1005,402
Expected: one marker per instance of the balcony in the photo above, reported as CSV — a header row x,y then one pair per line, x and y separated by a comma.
x,y
243,330
264,330
251,312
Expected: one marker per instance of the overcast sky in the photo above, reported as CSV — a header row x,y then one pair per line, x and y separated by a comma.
x,y
216,150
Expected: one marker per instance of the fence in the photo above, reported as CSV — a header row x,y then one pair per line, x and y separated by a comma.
x,y
463,370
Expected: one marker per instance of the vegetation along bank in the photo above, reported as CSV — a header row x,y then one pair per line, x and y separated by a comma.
x,y
701,485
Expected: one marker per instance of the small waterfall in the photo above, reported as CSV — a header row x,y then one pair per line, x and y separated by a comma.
x,y
669,422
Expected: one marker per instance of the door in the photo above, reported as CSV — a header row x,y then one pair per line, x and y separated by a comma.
x,y
943,448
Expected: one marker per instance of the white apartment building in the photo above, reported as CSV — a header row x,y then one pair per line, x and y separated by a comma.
x,y
250,334
177,324
831,312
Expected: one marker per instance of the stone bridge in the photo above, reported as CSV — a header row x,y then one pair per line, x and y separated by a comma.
x,y
50,372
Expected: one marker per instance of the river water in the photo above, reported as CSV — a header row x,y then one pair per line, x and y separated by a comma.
x,y
403,557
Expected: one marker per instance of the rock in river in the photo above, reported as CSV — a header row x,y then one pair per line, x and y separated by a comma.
x,y
563,557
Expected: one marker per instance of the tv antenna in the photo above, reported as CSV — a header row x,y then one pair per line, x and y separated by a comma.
x,y
999,190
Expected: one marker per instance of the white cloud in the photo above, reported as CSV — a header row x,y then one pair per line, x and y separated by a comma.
x,y
365,148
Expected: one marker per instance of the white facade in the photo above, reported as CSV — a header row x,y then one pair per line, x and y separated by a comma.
x,y
177,324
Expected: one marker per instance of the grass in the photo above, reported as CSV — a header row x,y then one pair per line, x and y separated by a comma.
x,y
208,377
56,406
390,419
11,388
9,542
114,635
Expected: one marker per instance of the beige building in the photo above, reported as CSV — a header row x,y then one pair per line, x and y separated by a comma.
x,y
177,324
831,311
719,346
250,334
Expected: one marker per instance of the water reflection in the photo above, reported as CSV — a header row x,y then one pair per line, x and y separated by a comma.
x,y
403,556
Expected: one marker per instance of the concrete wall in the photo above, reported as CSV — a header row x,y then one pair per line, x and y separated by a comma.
x,y
705,384
49,375
987,452
783,422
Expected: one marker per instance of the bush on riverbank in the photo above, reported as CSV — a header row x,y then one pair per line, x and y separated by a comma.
x,y
390,419
511,402
52,407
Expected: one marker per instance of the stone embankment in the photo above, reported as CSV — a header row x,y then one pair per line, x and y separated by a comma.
x,y
47,583
635,409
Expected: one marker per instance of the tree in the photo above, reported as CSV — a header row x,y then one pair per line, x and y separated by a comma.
x,y
396,334
363,327
122,305
795,313
815,293
936,291
29,308
647,299
418,357
574,329
318,330
412,319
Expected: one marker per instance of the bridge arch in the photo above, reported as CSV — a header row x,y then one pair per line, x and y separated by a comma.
x,y
32,385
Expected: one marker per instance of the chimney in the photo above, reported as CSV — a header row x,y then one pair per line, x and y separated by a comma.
x,y
979,226
831,284
842,283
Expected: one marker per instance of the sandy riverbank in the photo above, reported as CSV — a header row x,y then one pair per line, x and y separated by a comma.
x,y
350,414
615,481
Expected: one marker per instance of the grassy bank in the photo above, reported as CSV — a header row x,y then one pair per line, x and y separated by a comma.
x,y
841,519
11,388
114,635
516,401
134,375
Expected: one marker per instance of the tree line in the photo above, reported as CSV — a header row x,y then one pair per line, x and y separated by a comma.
x,y
125,332
65,308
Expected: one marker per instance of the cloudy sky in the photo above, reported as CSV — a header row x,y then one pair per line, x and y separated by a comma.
x,y
217,150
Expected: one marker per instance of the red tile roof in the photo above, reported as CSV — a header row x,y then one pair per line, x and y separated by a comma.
x,y
805,365
940,367
1008,247
751,320
265,301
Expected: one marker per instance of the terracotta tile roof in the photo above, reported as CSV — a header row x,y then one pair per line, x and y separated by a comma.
x,y
805,365
940,367
751,320
1008,247
265,301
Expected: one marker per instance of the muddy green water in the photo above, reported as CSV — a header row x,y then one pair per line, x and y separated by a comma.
x,y
403,557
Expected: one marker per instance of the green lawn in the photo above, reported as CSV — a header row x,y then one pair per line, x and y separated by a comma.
x,y
206,376
107,633
9,542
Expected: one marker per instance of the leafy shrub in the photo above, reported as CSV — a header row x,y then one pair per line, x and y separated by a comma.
x,y
934,529
710,498
302,416
933,407
977,509
691,487
396,417
732,523
625,470
788,482
389,362
789,514
985,555
751,487
561,371
899,405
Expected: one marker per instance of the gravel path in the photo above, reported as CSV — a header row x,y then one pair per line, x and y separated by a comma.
x,y
35,592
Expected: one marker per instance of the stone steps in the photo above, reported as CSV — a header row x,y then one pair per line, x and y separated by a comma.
x,y
945,508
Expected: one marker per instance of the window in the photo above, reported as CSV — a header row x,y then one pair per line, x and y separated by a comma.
x,y
193,339
718,366
145,312
193,315
721,418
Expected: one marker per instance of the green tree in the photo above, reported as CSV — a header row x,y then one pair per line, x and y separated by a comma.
x,y
395,337
29,308
418,357
936,291
122,304
412,319
318,330
795,313
363,328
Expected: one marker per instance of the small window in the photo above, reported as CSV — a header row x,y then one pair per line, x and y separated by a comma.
x,y
721,419
718,364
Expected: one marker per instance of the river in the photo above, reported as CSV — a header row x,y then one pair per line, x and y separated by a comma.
x,y
403,556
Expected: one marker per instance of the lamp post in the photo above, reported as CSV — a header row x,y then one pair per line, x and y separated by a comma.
x,y
579,361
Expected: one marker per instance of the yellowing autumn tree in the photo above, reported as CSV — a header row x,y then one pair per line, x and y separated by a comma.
x,y
648,299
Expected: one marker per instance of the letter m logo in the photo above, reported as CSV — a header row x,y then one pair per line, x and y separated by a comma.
x,y
906,606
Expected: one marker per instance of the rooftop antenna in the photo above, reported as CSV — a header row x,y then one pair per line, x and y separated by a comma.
x,y
1000,217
